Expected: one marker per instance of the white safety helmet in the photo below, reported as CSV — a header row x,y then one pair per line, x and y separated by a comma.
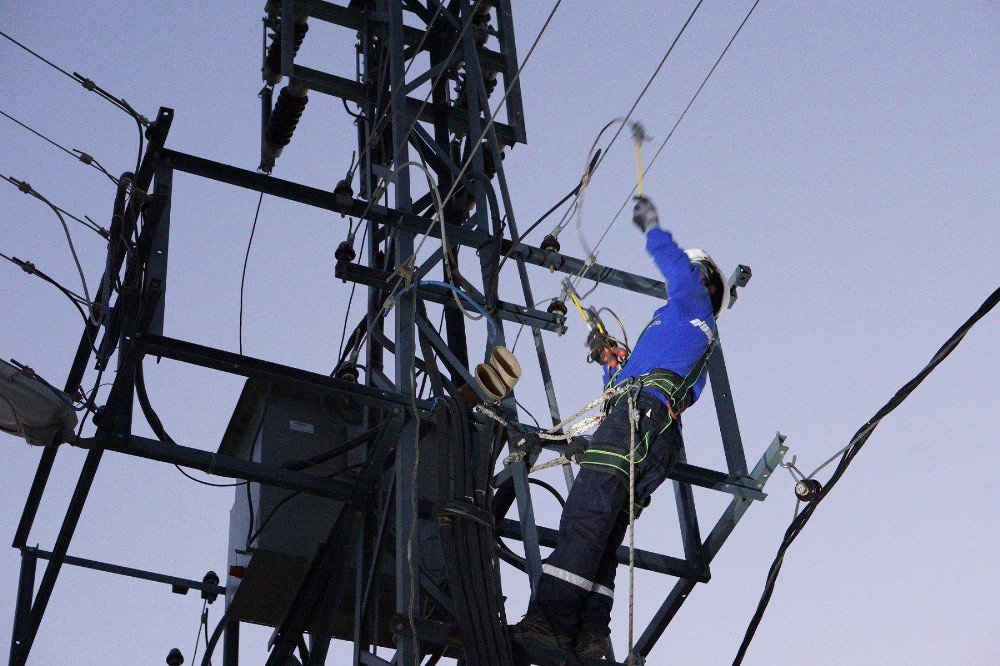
x,y
720,299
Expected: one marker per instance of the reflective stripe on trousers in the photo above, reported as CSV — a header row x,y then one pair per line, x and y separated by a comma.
x,y
579,581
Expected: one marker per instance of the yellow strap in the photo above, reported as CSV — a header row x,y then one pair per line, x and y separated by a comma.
x,y
638,167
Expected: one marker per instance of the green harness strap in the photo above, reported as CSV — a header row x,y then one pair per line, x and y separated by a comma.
x,y
674,387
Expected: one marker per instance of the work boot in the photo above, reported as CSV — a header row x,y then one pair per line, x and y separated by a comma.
x,y
534,632
591,646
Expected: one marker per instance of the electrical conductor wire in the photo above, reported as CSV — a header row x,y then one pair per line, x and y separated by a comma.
x,y
649,165
852,449
246,259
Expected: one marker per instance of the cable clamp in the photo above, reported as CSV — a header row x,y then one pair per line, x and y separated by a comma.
x,y
406,271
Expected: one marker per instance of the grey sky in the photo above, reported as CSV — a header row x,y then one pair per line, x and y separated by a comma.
x,y
847,151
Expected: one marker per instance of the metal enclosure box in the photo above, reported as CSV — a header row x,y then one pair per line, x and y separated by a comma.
x,y
276,425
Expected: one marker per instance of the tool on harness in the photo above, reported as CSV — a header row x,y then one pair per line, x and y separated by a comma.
x,y
604,348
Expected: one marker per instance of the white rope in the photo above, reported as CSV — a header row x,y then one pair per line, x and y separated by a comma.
x,y
569,431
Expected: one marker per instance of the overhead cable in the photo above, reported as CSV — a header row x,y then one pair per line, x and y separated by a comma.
x,y
27,189
649,165
76,154
652,78
85,221
86,83
852,449
246,259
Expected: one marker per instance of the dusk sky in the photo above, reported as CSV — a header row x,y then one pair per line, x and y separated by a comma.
x,y
847,151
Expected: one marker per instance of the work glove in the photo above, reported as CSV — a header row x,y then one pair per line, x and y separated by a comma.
x,y
644,214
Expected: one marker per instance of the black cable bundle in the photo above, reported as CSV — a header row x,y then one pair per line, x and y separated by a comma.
x,y
852,449
466,529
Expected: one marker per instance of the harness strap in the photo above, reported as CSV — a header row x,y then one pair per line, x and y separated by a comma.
x,y
674,388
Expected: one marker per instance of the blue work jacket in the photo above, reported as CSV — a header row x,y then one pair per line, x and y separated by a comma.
x,y
682,329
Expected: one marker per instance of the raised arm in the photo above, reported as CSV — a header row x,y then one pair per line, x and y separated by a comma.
x,y
682,276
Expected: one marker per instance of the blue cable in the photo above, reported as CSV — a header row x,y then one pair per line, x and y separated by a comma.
x,y
434,283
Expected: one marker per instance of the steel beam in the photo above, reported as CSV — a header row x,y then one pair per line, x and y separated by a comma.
x,y
25,591
744,487
355,19
180,585
34,620
42,472
644,559
231,644
352,91
223,465
408,221
512,312
247,366
723,528
729,427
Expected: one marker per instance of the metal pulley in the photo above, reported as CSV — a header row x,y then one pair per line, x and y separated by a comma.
x,y
807,489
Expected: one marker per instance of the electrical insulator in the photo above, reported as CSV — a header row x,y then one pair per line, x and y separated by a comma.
x,y
807,489
281,125
557,307
345,252
174,657
550,244
212,579
272,61
347,372
344,189
489,164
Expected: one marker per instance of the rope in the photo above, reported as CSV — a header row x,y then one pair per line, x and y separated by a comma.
x,y
633,419
569,431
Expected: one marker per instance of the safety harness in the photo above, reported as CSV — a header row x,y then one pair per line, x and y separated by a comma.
x,y
677,392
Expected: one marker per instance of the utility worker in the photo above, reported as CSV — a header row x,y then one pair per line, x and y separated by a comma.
x,y
665,374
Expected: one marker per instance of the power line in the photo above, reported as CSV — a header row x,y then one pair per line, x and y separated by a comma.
x,y
86,221
679,119
656,72
27,189
853,448
246,259
40,57
86,83
76,154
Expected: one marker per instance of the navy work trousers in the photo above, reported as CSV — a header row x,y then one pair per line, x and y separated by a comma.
x,y
576,589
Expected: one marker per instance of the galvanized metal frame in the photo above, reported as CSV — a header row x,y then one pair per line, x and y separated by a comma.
x,y
382,35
